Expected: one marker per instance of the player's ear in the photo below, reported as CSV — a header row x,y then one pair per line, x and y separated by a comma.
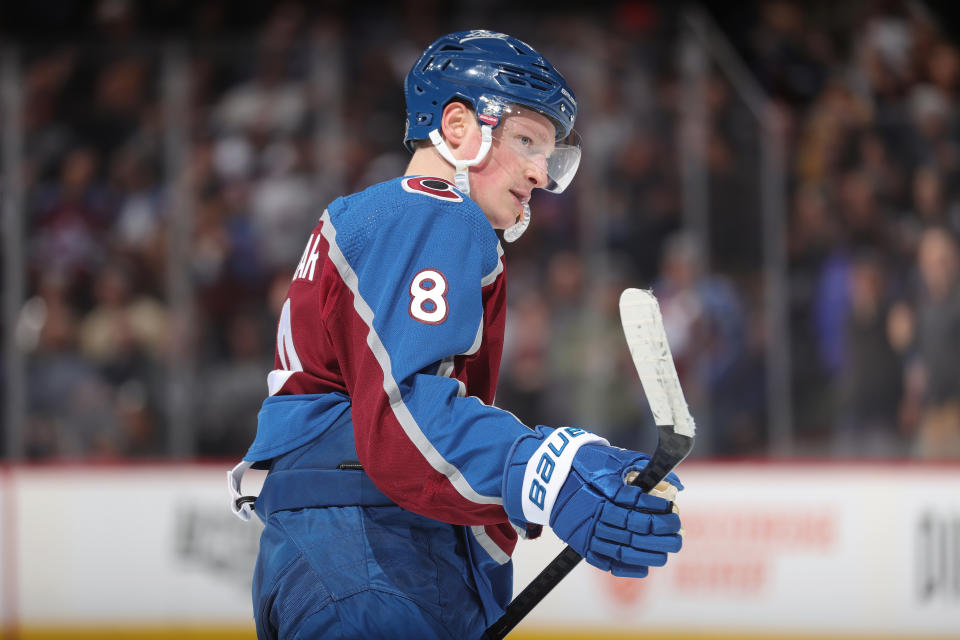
x,y
457,122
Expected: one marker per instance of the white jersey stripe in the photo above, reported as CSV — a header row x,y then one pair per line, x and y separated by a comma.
x,y
445,370
485,541
490,277
390,387
476,341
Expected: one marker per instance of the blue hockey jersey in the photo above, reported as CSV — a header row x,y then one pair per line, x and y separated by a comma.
x,y
388,351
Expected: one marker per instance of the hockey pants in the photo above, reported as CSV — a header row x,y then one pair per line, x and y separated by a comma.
x,y
363,572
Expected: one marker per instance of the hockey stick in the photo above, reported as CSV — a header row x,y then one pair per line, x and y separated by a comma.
x,y
643,328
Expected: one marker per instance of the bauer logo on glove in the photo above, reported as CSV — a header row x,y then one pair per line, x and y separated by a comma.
x,y
548,468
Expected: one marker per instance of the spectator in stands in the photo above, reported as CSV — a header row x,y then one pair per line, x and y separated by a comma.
x,y
811,238
125,333
869,389
69,219
934,373
524,386
227,411
69,411
705,324
268,104
137,231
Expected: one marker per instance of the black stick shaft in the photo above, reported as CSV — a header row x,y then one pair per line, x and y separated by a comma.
x,y
534,593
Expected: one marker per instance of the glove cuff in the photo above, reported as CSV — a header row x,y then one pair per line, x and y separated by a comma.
x,y
538,466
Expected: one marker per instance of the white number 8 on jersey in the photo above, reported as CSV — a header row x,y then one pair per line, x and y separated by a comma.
x,y
428,297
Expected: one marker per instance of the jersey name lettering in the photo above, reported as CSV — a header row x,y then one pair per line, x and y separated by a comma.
x,y
289,359
308,262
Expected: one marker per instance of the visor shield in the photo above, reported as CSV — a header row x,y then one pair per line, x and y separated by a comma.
x,y
563,163
559,159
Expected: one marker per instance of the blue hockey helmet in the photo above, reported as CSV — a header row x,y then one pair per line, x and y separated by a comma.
x,y
488,70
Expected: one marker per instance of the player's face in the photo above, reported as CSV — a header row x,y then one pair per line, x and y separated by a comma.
x,y
514,167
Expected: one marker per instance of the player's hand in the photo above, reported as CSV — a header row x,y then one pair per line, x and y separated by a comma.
x,y
614,525
572,480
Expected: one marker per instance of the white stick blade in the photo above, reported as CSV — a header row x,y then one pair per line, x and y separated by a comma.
x,y
647,339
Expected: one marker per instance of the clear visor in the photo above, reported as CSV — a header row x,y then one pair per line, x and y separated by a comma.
x,y
532,138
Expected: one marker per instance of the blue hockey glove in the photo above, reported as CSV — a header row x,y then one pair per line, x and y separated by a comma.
x,y
570,479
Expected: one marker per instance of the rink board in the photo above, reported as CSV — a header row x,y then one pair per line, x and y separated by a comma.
x,y
770,551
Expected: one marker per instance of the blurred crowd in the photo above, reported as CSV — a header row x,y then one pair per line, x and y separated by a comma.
x,y
873,257
292,106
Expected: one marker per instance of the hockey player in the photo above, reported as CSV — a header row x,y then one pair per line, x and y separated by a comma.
x,y
396,489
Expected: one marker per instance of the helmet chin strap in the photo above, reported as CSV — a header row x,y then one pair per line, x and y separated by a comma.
x,y
510,234
460,177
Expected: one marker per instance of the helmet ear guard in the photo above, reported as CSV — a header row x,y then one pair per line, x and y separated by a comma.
x,y
460,178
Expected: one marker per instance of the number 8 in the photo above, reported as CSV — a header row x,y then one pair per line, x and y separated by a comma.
x,y
428,293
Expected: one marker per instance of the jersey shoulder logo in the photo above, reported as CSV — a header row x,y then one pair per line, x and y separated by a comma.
x,y
433,187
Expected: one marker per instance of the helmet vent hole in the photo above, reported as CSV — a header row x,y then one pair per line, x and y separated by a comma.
x,y
451,47
446,64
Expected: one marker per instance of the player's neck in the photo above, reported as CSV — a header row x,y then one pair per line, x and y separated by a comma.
x,y
427,162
